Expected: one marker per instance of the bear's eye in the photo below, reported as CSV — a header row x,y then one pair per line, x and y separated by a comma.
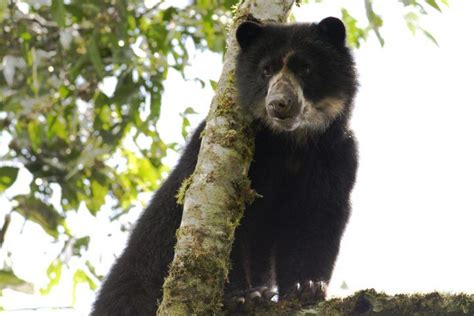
x,y
267,71
305,70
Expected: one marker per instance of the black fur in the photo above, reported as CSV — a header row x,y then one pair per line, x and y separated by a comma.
x,y
305,177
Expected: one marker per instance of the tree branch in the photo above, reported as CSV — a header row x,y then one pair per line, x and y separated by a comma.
x,y
370,302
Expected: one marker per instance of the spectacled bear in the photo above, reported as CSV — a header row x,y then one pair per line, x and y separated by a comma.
x,y
298,81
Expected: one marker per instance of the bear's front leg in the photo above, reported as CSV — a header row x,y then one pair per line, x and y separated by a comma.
x,y
306,255
251,277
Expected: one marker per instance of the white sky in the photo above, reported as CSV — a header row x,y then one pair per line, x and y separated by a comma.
x,y
413,208
413,204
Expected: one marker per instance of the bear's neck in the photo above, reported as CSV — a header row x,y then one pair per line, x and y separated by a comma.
x,y
300,140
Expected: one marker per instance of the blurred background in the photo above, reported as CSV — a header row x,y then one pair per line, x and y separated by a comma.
x,y
98,97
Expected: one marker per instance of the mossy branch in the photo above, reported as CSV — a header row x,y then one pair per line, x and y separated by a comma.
x,y
370,302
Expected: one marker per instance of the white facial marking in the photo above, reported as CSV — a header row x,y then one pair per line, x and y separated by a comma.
x,y
319,115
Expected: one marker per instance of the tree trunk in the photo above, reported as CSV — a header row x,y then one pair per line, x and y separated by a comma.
x,y
215,195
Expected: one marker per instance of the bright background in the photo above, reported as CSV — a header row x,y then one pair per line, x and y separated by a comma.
x,y
413,205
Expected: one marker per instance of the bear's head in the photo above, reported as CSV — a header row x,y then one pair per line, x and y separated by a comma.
x,y
295,77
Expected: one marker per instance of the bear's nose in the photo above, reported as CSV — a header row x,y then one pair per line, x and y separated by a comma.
x,y
280,108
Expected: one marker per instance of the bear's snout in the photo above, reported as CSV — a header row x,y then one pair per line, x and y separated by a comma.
x,y
281,107
283,103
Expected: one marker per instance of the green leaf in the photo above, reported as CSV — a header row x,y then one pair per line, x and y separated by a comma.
x,y
64,92
97,198
184,127
78,64
34,132
81,277
58,12
213,84
189,110
375,21
132,24
185,123
9,280
413,24
41,213
155,106
8,175
407,3
411,20
430,36
354,33
54,275
57,127
126,88
94,56
3,9
26,36
434,4
80,244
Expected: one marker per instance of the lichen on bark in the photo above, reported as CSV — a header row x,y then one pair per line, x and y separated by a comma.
x,y
371,303
182,190
216,193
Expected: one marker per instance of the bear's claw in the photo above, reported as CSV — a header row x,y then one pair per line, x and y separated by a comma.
x,y
308,292
251,296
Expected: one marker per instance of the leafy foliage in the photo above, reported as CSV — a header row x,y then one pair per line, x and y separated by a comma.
x,y
9,280
79,79
7,177
414,10
417,8
67,130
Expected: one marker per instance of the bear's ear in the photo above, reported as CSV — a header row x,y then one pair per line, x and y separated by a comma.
x,y
247,33
333,30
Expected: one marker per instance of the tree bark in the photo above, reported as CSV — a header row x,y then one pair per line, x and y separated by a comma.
x,y
215,195
370,302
